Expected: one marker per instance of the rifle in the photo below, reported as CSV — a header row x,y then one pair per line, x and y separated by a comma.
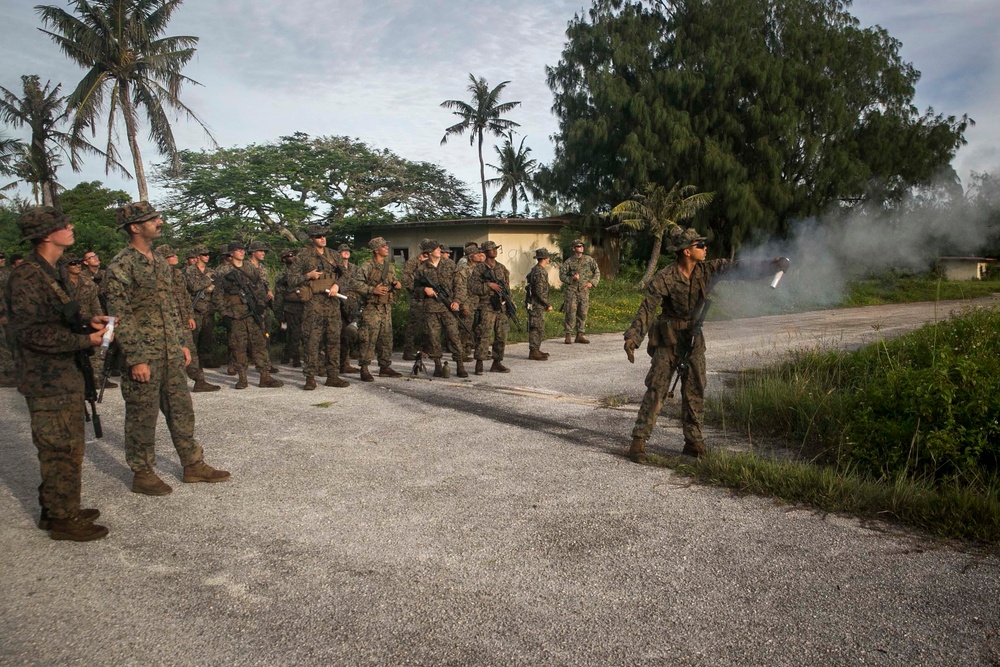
x,y
684,358
72,313
110,363
418,365
506,302
197,297
248,298
442,296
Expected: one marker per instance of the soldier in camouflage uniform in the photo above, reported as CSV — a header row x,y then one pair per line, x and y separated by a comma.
x,y
289,306
244,289
680,292
141,296
442,273
49,336
493,322
579,274
413,336
188,319
375,280
537,303
200,283
7,378
349,310
473,255
316,269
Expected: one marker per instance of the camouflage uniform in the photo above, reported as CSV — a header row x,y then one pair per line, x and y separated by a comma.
x,y
537,301
375,332
415,323
438,317
349,312
288,308
245,334
493,322
201,297
86,293
321,320
576,297
6,335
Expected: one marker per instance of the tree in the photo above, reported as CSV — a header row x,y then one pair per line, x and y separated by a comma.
x,y
277,189
95,226
128,65
516,174
782,108
657,211
42,110
480,117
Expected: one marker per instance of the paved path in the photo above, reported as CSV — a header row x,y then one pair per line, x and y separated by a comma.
x,y
480,522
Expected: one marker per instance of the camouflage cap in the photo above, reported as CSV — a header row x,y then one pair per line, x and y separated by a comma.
x,y
196,251
445,247
681,238
579,242
237,245
288,253
471,248
314,231
542,253
139,211
224,250
165,251
342,247
70,258
257,245
489,245
40,221
376,243
428,245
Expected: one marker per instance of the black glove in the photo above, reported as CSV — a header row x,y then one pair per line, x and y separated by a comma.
x,y
630,350
781,263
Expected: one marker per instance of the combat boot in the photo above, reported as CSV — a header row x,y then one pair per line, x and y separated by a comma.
x,y
310,383
88,515
296,362
148,483
695,449
580,339
192,372
202,472
200,385
334,380
460,369
366,375
268,382
346,367
438,369
498,367
241,383
231,370
537,355
76,529
569,339
388,372
637,452
479,367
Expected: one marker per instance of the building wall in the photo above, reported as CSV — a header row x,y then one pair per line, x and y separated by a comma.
x,y
963,269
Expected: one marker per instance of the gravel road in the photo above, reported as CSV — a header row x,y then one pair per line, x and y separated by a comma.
x,y
488,521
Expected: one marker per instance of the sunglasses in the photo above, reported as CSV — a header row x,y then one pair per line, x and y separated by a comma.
x,y
700,245
77,263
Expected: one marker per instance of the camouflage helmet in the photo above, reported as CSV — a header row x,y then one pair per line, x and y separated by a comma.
x,y
237,245
681,238
196,251
70,258
40,221
376,243
578,242
224,250
344,247
258,246
314,231
488,245
139,211
164,251
542,253
428,245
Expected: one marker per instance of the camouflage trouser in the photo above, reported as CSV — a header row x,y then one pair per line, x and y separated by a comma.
x,y
576,304
492,326
438,322
375,334
293,339
204,334
166,391
245,336
57,432
692,392
348,334
415,327
466,332
321,322
6,358
536,326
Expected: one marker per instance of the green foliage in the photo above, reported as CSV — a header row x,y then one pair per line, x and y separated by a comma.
x,y
515,178
779,108
270,192
92,207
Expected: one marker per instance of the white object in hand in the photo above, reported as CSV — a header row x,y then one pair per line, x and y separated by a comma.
x,y
777,279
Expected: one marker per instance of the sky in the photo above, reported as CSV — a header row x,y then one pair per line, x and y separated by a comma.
x,y
378,71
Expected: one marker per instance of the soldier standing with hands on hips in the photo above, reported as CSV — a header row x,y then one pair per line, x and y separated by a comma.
x,y
157,349
49,337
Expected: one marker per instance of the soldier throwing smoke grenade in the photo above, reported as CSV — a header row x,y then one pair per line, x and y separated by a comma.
x,y
676,343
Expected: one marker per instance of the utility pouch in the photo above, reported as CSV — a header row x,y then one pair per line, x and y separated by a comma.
x,y
300,294
322,285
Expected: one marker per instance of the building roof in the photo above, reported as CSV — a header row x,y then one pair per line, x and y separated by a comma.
x,y
970,259
514,222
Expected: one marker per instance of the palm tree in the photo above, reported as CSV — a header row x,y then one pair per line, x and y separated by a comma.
x,y
42,110
515,171
129,65
658,211
480,117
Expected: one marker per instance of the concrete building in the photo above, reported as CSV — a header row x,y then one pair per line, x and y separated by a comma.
x,y
964,268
